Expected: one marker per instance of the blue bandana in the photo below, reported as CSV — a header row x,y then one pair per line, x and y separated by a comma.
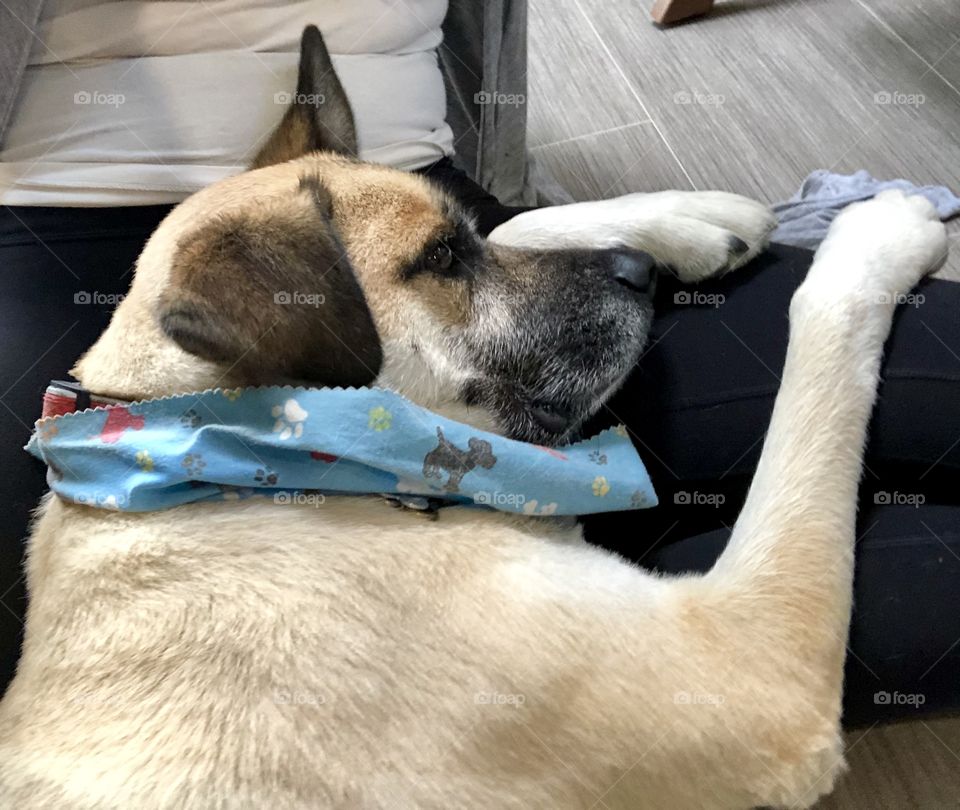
x,y
297,444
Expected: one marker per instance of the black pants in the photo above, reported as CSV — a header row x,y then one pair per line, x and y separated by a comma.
x,y
699,403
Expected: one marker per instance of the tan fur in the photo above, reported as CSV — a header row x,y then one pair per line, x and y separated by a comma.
x,y
384,217
241,655
288,141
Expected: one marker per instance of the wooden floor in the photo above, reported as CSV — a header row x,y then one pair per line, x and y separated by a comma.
x,y
752,99
749,99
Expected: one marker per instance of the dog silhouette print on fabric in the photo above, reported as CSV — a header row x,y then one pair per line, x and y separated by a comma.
x,y
446,457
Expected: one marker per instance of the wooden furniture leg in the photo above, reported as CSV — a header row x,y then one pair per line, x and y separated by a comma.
x,y
666,12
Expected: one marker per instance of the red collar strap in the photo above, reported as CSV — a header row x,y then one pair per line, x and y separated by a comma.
x,y
66,397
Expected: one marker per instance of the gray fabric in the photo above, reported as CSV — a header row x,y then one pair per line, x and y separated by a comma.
x,y
484,63
18,23
806,217
484,51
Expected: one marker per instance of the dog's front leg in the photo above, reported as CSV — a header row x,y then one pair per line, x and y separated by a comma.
x,y
697,234
789,561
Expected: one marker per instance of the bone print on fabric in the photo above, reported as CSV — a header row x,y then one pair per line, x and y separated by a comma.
x,y
290,418
119,419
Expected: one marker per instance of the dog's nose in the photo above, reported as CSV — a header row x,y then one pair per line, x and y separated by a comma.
x,y
633,269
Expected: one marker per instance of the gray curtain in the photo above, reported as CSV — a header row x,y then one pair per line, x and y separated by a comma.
x,y
18,21
484,62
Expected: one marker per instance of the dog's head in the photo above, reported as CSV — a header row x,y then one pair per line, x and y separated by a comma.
x,y
316,268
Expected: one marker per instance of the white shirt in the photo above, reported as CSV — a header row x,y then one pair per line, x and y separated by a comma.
x,y
142,102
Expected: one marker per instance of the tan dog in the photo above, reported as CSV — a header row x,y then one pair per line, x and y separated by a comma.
x,y
249,655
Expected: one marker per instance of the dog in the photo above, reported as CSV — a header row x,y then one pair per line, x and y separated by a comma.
x,y
244,654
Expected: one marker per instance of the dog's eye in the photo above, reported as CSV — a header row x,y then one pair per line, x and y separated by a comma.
x,y
440,257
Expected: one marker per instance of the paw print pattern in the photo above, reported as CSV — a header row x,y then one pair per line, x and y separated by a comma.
x,y
380,418
639,500
194,464
48,433
233,394
290,418
600,486
266,478
144,460
621,430
598,457
534,508
190,419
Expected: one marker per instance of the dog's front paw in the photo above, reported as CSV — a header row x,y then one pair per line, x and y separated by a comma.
x,y
881,247
698,234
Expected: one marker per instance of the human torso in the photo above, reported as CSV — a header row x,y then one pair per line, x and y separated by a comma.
x,y
135,103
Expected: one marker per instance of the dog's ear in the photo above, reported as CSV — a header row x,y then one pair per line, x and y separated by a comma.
x,y
319,116
271,295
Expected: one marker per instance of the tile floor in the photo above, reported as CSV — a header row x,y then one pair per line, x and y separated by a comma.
x,y
750,99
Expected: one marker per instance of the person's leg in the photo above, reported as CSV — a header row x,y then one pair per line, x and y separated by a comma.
x,y
699,402
701,396
61,271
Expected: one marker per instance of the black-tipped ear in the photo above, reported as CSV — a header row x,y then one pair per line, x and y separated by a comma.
x,y
271,295
319,116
